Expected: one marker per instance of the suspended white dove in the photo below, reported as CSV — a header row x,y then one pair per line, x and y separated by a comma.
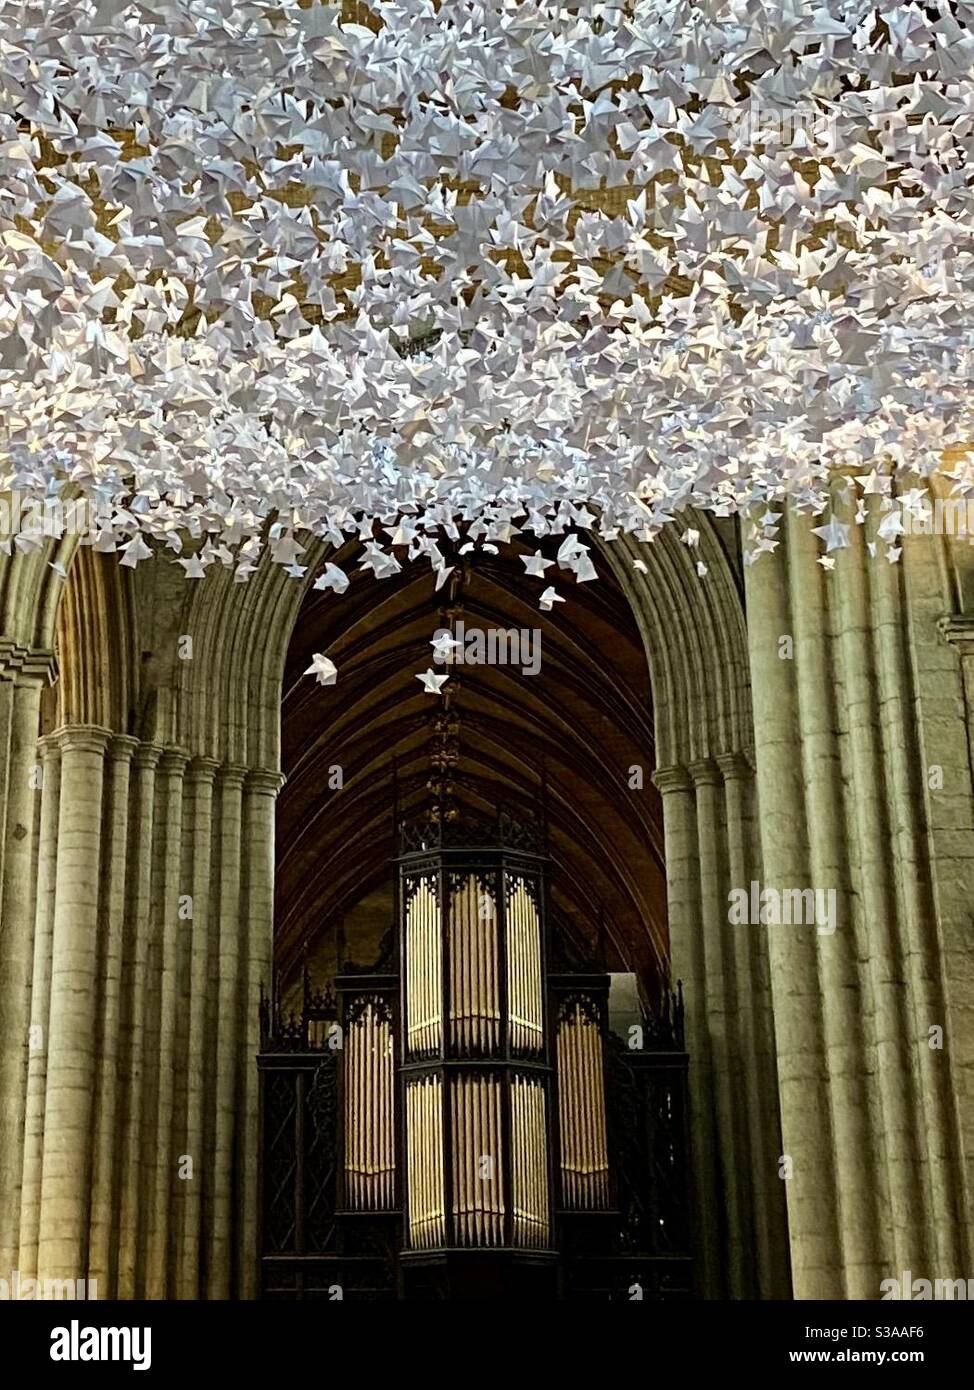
x,y
381,562
569,549
431,682
835,534
583,568
443,645
193,568
332,578
536,564
323,669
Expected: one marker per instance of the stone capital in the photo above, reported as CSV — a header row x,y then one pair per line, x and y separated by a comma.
x,y
736,765
48,746
264,781
672,779
123,747
82,738
202,769
173,761
147,755
705,772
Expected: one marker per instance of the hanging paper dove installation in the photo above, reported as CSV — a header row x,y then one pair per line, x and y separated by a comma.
x,y
500,263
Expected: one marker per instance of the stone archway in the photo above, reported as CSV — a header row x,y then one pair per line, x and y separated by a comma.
x,y
695,638
567,730
694,647
142,864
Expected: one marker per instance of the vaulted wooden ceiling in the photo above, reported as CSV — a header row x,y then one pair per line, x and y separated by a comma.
x,y
579,725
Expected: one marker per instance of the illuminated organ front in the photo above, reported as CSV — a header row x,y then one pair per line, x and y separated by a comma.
x,y
472,1083
475,1070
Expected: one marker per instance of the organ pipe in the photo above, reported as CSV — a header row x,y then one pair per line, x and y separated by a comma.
x,y
581,1111
529,1150
370,1155
424,1163
474,1002
424,978
478,1177
524,972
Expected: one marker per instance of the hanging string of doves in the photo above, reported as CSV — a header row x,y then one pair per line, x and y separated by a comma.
x,y
271,269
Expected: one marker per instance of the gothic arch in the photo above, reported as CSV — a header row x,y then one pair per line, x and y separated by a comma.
x,y
695,638
695,635
182,753
581,721
142,940
96,645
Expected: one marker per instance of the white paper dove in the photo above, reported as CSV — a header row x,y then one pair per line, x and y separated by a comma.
x,y
431,682
323,669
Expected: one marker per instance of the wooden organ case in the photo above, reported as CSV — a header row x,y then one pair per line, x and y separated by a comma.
x,y
456,1120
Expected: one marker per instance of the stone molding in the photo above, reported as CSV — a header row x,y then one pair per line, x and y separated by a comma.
x,y
33,662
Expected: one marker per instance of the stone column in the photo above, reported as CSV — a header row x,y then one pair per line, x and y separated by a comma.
x,y
756,1083
939,671
169,787
220,1171
199,782
739,1211
23,673
847,727
803,1086
872,1251
132,1194
944,1220
957,629
687,964
102,1250
721,1009
50,762
832,818
949,811
260,794
71,1068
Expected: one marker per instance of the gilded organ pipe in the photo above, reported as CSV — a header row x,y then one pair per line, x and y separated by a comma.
x,y
524,971
424,983
476,1115
581,1112
424,1162
370,1155
474,1003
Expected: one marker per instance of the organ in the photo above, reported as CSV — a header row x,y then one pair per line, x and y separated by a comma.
x,y
457,1119
475,1065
